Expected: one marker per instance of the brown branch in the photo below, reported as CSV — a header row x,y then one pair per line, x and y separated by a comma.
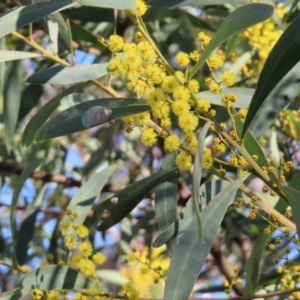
x,y
266,295
42,175
224,266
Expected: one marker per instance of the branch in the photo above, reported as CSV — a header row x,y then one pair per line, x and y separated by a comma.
x,y
224,266
266,295
42,175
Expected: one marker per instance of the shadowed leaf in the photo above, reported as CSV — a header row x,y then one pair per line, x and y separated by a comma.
x,y
70,120
44,113
282,59
166,200
122,203
207,191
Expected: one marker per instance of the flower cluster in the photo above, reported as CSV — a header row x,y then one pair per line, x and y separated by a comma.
x,y
75,235
146,272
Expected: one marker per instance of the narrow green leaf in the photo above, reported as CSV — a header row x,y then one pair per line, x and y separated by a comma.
x,y
57,278
293,196
20,182
29,99
15,294
241,18
89,14
98,156
166,200
112,276
294,183
70,120
185,217
66,75
12,99
26,233
62,30
240,62
253,264
53,36
122,203
44,113
274,148
244,96
197,3
7,55
283,57
22,16
279,98
293,123
86,195
116,4
79,33
197,177
230,44
2,69
190,254
251,144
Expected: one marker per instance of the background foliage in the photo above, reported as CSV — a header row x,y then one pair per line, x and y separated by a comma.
x,y
74,161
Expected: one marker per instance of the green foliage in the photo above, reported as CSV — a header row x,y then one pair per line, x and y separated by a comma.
x,y
162,111
187,260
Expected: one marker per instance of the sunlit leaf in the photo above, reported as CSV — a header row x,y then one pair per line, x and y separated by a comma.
x,y
244,96
7,55
123,202
197,3
70,120
22,16
282,59
241,18
191,253
117,4
112,276
66,75
57,278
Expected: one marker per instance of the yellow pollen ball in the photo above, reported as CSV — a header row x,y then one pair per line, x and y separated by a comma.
x,y
182,59
184,161
172,143
149,137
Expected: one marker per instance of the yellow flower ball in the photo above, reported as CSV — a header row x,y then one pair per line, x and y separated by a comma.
x,y
99,258
115,43
86,248
172,143
183,161
182,59
203,104
149,137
